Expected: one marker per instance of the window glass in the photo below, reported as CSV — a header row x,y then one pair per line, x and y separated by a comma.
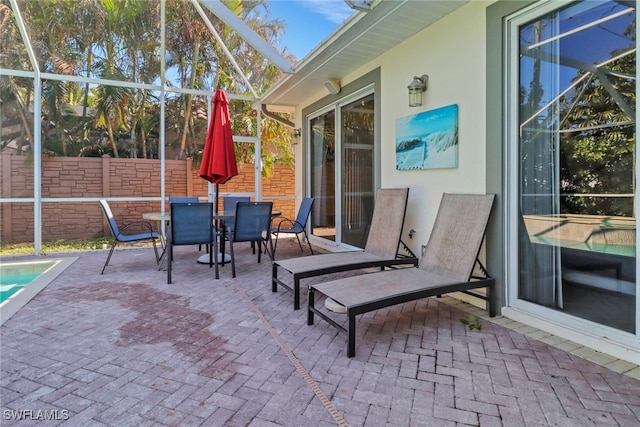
x,y
577,248
322,175
357,171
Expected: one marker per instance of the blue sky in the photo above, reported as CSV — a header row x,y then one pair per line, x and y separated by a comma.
x,y
308,22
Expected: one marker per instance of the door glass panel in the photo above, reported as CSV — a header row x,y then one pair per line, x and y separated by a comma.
x,y
357,171
577,246
322,175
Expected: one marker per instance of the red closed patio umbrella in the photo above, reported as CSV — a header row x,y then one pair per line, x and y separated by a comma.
x,y
219,156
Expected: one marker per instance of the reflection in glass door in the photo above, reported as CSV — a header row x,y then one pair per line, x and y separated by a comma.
x,y
322,168
576,162
357,171
342,210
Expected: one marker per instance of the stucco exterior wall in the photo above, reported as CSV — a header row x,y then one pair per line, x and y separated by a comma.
x,y
452,52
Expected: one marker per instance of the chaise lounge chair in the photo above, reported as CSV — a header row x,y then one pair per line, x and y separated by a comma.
x,y
446,266
381,249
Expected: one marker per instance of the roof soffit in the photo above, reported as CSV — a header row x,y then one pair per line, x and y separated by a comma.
x,y
361,39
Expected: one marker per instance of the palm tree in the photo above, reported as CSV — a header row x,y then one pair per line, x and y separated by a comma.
x,y
128,41
598,152
187,38
276,138
15,92
119,40
111,103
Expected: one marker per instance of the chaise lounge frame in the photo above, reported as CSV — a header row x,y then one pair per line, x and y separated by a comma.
x,y
382,249
447,266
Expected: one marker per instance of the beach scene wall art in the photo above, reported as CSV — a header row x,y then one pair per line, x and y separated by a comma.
x,y
428,140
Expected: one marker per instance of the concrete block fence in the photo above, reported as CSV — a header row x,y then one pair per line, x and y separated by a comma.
x,y
70,177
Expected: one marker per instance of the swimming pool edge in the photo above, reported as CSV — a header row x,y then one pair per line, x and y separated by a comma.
x,y
34,287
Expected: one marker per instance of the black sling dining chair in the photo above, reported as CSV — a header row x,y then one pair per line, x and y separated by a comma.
x,y
124,235
229,205
191,224
252,224
297,226
185,199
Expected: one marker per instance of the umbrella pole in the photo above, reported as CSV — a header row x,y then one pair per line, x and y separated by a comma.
x,y
204,259
217,193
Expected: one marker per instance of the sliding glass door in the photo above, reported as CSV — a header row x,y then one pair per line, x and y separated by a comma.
x,y
573,160
322,174
357,183
342,171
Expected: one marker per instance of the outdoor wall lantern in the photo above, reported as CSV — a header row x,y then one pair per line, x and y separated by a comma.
x,y
417,86
296,133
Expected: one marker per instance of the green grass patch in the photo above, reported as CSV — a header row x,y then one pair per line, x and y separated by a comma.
x,y
60,246
472,323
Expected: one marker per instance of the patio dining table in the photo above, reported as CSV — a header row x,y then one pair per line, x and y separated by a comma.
x,y
165,217
221,217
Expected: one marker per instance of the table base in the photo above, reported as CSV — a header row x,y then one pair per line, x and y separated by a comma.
x,y
204,259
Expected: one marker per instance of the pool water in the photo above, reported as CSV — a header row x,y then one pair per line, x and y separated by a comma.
x,y
20,281
15,276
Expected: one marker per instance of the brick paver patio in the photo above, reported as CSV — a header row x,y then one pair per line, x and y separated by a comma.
x,y
125,349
